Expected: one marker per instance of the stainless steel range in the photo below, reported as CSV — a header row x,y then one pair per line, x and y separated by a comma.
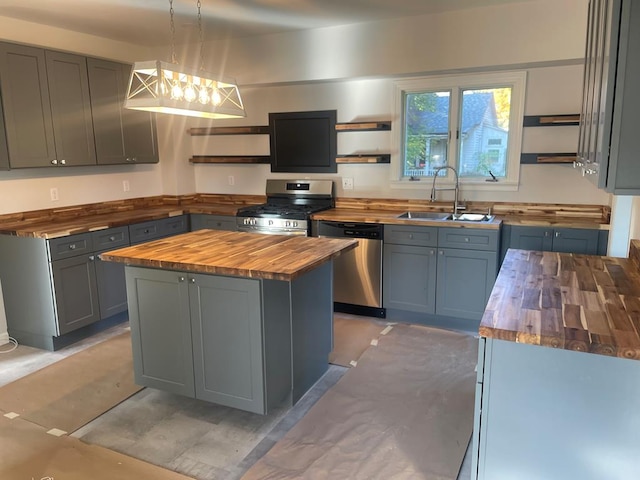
x,y
289,206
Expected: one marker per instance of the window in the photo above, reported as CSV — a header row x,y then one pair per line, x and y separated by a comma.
x,y
470,122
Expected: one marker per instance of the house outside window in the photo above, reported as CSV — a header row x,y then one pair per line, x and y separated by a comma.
x,y
470,122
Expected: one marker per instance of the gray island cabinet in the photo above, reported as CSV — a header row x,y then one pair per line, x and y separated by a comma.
x,y
238,319
558,372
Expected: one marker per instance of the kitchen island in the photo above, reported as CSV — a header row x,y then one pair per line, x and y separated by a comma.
x,y
558,370
239,319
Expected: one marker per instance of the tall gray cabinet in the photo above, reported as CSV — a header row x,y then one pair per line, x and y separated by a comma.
x,y
607,149
46,106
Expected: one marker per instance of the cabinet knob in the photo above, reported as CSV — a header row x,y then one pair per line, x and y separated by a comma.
x,y
411,235
63,162
557,234
134,159
432,252
92,258
466,239
192,280
112,238
54,162
128,159
181,279
547,233
72,246
146,230
441,252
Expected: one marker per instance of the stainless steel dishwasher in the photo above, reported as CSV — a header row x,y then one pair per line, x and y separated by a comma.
x,y
357,274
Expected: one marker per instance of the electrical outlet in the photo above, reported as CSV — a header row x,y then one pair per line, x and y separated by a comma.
x,y
125,185
347,183
231,180
54,194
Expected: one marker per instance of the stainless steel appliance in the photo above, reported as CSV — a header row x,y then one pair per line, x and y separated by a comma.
x,y
289,205
357,274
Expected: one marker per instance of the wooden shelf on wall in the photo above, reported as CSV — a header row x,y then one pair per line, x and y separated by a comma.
x,y
353,159
243,130
363,126
547,158
551,120
246,159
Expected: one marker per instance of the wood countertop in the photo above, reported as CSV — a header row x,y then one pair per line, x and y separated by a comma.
x,y
575,302
238,254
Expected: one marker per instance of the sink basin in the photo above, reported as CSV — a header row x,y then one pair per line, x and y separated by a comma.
x,y
426,216
474,217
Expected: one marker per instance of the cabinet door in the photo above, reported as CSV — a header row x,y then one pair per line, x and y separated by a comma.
x,y
409,278
174,225
213,222
531,238
465,281
4,153
70,109
112,289
227,341
27,109
139,130
160,329
107,97
575,240
75,291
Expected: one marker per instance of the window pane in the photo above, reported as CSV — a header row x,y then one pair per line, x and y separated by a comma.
x,y
426,132
484,132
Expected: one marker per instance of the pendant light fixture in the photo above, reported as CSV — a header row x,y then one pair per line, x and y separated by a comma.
x,y
164,87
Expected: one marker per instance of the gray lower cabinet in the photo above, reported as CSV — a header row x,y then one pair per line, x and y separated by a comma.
x,y
241,342
200,221
442,271
567,240
155,229
122,136
578,409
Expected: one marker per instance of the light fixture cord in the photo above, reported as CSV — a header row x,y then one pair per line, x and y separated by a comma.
x,y
173,34
198,4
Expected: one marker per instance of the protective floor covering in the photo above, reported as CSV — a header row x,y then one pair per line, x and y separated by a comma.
x,y
405,412
352,336
70,393
28,452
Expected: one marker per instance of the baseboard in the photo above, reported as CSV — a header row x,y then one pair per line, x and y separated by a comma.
x,y
4,338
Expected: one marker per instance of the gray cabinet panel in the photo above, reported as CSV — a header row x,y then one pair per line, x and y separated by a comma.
x,y
122,136
467,238
546,239
70,108
531,238
465,280
145,231
160,329
4,153
213,222
574,240
227,350
411,235
174,225
70,246
110,238
112,289
409,278
76,294
27,109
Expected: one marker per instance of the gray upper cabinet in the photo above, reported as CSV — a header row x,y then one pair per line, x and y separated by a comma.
x,y
122,136
607,147
4,153
46,107
70,108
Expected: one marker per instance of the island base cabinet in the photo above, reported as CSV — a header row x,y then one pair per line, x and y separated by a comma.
x,y
160,330
555,414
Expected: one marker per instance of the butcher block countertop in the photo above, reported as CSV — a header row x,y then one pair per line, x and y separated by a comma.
x,y
574,302
234,253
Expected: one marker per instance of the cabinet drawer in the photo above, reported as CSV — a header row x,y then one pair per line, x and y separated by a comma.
x,y
110,238
145,231
410,235
214,222
174,225
71,246
467,238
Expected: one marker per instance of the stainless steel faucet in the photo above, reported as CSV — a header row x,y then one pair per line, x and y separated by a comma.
x,y
456,188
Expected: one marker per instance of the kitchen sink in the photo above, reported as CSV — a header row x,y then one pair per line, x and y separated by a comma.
x,y
426,216
464,217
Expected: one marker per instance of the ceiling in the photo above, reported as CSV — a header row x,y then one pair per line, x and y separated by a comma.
x,y
146,22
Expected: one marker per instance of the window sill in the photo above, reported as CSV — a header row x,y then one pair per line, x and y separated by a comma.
x,y
503,186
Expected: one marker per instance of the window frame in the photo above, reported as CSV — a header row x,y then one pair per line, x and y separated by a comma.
x,y
515,79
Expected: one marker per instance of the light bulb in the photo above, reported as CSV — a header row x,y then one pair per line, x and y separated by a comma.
x,y
203,95
176,91
190,92
215,97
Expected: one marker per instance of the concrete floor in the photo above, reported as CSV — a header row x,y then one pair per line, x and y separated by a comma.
x,y
196,438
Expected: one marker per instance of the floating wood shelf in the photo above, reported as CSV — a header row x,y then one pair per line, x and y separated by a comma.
x,y
244,130
545,158
363,126
551,120
247,159
382,158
